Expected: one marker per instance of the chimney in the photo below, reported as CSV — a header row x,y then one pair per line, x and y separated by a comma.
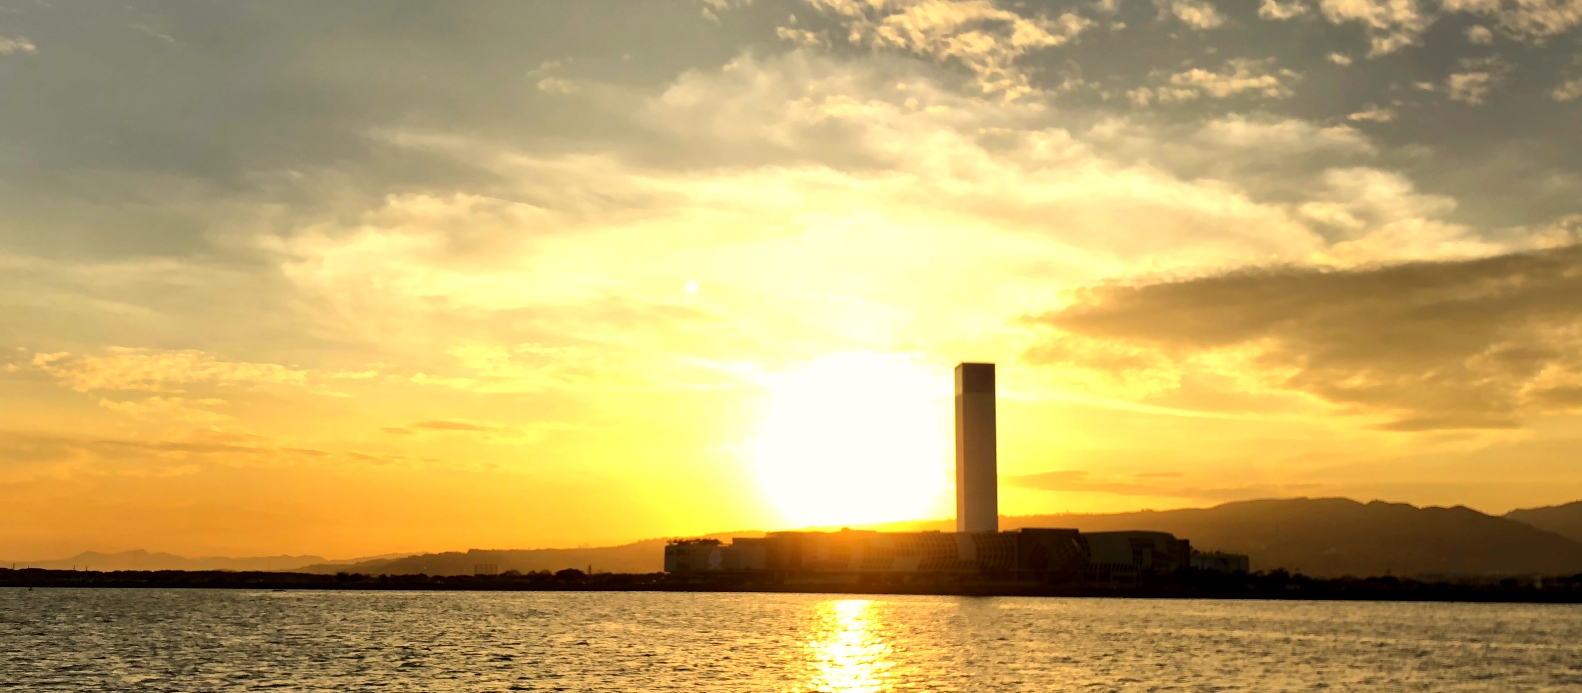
x,y
977,493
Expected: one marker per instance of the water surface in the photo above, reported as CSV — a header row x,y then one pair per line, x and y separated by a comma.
x,y
227,640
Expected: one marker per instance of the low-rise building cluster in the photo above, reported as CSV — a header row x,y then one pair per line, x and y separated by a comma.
x,y
1041,555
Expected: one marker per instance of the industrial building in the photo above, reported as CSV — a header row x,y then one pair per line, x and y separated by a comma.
x,y
1035,555
977,548
1218,562
977,476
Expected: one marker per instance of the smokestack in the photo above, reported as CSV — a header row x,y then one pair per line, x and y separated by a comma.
x,y
977,493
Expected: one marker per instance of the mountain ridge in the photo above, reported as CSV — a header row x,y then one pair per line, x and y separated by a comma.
x,y
1323,537
644,556
1332,537
1564,520
141,559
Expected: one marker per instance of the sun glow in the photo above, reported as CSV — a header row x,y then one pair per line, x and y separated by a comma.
x,y
856,438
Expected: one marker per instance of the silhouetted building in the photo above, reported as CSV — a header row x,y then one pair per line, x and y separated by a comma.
x,y
977,479
1031,554
694,556
1218,562
712,555
1051,555
1129,558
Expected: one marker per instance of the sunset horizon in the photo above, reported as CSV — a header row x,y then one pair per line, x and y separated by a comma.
x,y
791,346
414,277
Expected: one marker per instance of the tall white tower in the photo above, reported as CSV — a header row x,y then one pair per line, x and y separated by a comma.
x,y
977,492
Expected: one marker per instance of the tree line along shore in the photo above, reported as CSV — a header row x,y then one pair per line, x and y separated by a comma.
x,y
1277,584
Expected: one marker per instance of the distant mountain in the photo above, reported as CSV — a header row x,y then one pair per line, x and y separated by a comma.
x,y
1564,520
143,560
647,556
1324,537
639,557
1332,537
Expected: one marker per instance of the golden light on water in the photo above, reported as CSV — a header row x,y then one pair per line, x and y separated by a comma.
x,y
847,651
855,438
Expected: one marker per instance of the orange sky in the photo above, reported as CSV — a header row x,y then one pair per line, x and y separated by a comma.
x,y
523,277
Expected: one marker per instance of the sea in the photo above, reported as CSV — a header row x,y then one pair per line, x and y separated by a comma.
x,y
233,640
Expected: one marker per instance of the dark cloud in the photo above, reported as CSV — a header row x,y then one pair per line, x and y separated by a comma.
x,y
1446,345
282,103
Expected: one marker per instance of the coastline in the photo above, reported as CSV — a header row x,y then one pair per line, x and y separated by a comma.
x,y
1256,587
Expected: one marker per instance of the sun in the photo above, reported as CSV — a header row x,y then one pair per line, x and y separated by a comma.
x,y
856,438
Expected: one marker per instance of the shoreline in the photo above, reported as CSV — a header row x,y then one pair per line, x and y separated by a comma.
x,y
1258,587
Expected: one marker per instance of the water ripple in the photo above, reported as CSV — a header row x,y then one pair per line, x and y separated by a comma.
x,y
201,640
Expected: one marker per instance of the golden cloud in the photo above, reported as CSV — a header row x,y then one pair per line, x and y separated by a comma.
x,y
159,371
1442,345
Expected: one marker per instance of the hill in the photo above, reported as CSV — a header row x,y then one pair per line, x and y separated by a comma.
x,y
638,557
143,560
1327,537
647,556
1564,520
1323,537
1331,537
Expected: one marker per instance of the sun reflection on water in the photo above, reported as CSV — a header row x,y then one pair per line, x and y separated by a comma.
x,y
847,650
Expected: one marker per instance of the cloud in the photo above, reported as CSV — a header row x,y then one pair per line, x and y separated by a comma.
x,y
33,456
532,367
1277,11
1239,76
1471,6
168,409
1530,21
508,231
986,39
547,79
1480,35
1424,346
450,426
1197,14
155,33
1569,91
797,242
1286,136
558,85
1470,88
1390,24
1001,160
1482,76
1373,114
711,8
1364,210
527,434
17,44
802,38
159,371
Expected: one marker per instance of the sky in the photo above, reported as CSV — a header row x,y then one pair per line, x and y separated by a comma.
x,y
363,277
